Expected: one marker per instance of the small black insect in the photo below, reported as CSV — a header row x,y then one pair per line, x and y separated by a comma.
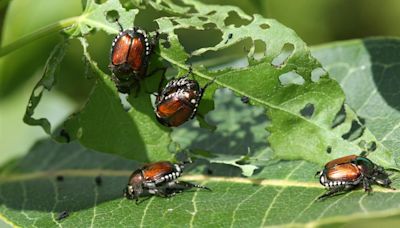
x,y
65,135
98,180
245,99
62,215
60,178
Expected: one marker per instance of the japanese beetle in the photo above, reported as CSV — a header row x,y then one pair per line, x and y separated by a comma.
x,y
349,172
130,54
160,179
178,101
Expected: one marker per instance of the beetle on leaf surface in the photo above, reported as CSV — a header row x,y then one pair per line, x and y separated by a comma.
x,y
158,178
346,173
179,100
130,55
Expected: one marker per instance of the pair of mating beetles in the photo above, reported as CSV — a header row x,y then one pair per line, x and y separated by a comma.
x,y
130,55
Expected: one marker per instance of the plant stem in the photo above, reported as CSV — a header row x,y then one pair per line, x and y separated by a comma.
x,y
47,30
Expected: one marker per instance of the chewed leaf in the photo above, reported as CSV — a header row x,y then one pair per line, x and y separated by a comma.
x,y
238,140
46,82
284,81
97,16
368,71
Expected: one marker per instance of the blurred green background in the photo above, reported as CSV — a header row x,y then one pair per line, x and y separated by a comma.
x,y
315,21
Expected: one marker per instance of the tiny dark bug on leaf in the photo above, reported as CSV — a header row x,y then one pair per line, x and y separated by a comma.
x,y
245,99
178,101
98,180
130,54
346,173
160,179
60,178
62,215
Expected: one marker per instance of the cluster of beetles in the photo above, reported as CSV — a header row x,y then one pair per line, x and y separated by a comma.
x,y
177,102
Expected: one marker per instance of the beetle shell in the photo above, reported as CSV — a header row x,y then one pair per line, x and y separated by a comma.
x,y
178,102
161,171
129,52
342,160
344,172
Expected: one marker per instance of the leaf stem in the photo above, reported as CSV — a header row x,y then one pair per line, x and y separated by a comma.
x,y
40,33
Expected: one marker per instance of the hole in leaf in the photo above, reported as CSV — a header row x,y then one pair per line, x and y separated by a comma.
x,y
308,110
340,117
38,90
203,18
234,19
287,50
329,150
192,10
112,16
213,37
371,146
362,144
100,1
362,120
355,131
264,26
291,78
217,60
259,49
317,73
209,26
211,13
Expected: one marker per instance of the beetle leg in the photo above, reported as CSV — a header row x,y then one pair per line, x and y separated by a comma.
x,y
366,185
335,190
187,185
167,192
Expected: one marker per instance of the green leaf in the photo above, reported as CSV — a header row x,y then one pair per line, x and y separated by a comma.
x,y
46,82
23,19
283,89
368,72
283,193
103,124
132,134
281,78
95,17
238,140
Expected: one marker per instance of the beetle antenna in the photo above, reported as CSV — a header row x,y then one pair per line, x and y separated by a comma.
x,y
190,71
364,154
119,24
209,83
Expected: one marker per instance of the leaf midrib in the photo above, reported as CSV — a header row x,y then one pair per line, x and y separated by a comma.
x,y
92,173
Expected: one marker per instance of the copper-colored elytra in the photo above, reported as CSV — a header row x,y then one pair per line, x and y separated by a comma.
x,y
136,54
175,111
342,160
169,107
121,49
156,170
344,172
